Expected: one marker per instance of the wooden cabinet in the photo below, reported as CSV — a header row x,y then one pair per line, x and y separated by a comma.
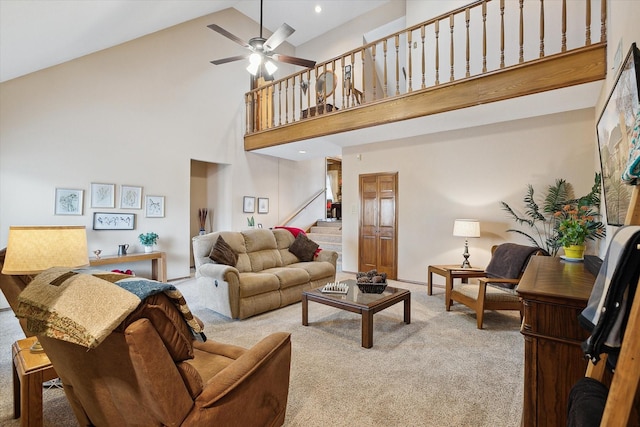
x,y
554,292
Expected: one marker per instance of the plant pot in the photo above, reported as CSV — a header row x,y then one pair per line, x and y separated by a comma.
x,y
574,251
148,249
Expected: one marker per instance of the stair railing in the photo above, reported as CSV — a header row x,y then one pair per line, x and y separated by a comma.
x,y
302,208
482,37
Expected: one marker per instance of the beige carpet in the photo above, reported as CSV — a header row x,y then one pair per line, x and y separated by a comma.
x,y
438,371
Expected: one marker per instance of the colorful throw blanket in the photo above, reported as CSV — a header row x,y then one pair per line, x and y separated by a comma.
x,y
85,308
608,308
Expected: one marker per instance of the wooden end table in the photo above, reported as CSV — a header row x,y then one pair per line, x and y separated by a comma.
x,y
451,272
30,370
158,262
358,302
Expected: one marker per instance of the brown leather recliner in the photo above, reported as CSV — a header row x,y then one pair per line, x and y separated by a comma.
x,y
151,372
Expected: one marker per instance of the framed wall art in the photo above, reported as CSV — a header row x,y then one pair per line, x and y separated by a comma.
x,y
615,126
154,206
103,195
68,201
113,221
263,205
248,204
130,197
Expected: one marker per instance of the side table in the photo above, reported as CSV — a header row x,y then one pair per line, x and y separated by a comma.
x,y
451,272
158,262
30,370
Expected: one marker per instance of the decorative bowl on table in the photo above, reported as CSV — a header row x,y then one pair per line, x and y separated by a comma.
x,y
371,282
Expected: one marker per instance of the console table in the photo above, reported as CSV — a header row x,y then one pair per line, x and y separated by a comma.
x,y
158,262
554,292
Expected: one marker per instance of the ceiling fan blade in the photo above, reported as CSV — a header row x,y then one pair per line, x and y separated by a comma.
x,y
293,60
229,59
278,37
228,35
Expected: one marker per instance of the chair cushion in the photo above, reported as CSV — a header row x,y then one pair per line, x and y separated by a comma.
x,y
304,248
492,294
223,254
509,260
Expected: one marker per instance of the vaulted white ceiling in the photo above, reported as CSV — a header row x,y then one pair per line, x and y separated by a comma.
x,y
36,34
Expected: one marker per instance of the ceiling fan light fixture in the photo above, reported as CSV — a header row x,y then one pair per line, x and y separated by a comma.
x,y
271,67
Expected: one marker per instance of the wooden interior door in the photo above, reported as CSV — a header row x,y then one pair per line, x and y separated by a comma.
x,y
377,242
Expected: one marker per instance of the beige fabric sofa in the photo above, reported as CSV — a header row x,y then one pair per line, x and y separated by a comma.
x,y
267,276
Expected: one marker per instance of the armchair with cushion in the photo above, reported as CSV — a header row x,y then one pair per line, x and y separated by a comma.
x,y
496,291
151,371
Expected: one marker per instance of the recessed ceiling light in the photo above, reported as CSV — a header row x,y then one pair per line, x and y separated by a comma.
x,y
302,152
318,8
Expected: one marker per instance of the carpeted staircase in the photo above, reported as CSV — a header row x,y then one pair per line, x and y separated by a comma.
x,y
328,234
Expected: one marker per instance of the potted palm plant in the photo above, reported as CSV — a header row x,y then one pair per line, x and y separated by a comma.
x,y
148,240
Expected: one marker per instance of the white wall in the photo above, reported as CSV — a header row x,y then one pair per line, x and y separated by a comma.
x,y
465,174
137,114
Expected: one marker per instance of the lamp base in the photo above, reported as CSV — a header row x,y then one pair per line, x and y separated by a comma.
x,y
36,347
465,263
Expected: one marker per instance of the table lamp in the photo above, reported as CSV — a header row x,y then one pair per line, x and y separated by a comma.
x,y
33,249
466,228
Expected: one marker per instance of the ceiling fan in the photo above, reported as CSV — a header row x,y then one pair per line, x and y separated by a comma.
x,y
262,50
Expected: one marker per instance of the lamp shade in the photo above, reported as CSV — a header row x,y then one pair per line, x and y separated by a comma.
x,y
466,228
33,249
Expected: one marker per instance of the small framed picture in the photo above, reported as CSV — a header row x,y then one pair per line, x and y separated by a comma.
x,y
68,201
263,205
130,197
248,204
154,206
103,195
113,221
259,225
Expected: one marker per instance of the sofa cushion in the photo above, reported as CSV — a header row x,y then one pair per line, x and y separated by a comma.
x,y
315,269
223,254
289,276
303,247
257,283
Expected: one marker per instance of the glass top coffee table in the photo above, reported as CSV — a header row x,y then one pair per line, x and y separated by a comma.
x,y
356,301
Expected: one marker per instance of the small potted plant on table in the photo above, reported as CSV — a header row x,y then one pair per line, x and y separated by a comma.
x,y
148,240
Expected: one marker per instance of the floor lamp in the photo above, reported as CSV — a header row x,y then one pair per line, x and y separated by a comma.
x,y
466,228
33,249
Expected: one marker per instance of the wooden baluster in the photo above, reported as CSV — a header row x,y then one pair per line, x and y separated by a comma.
x,y
293,98
521,31
247,108
587,37
384,70
374,74
309,89
352,79
484,36
300,92
364,86
603,20
564,26
344,84
437,29
541,28
397,40
451,48
501,33
324,92
422,31
466,18
409,36
286,101
280,105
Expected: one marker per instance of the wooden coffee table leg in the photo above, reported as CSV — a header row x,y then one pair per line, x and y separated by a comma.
x,y
448,287
429,281
367,328
407,309
305,310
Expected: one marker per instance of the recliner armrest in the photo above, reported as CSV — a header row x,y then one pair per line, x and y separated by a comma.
x,y
266,362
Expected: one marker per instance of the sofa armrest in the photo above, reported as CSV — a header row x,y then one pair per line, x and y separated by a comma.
x,y
265,366
327,255
217,271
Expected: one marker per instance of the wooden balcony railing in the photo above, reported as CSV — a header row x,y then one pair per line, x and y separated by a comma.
x,y
482,38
